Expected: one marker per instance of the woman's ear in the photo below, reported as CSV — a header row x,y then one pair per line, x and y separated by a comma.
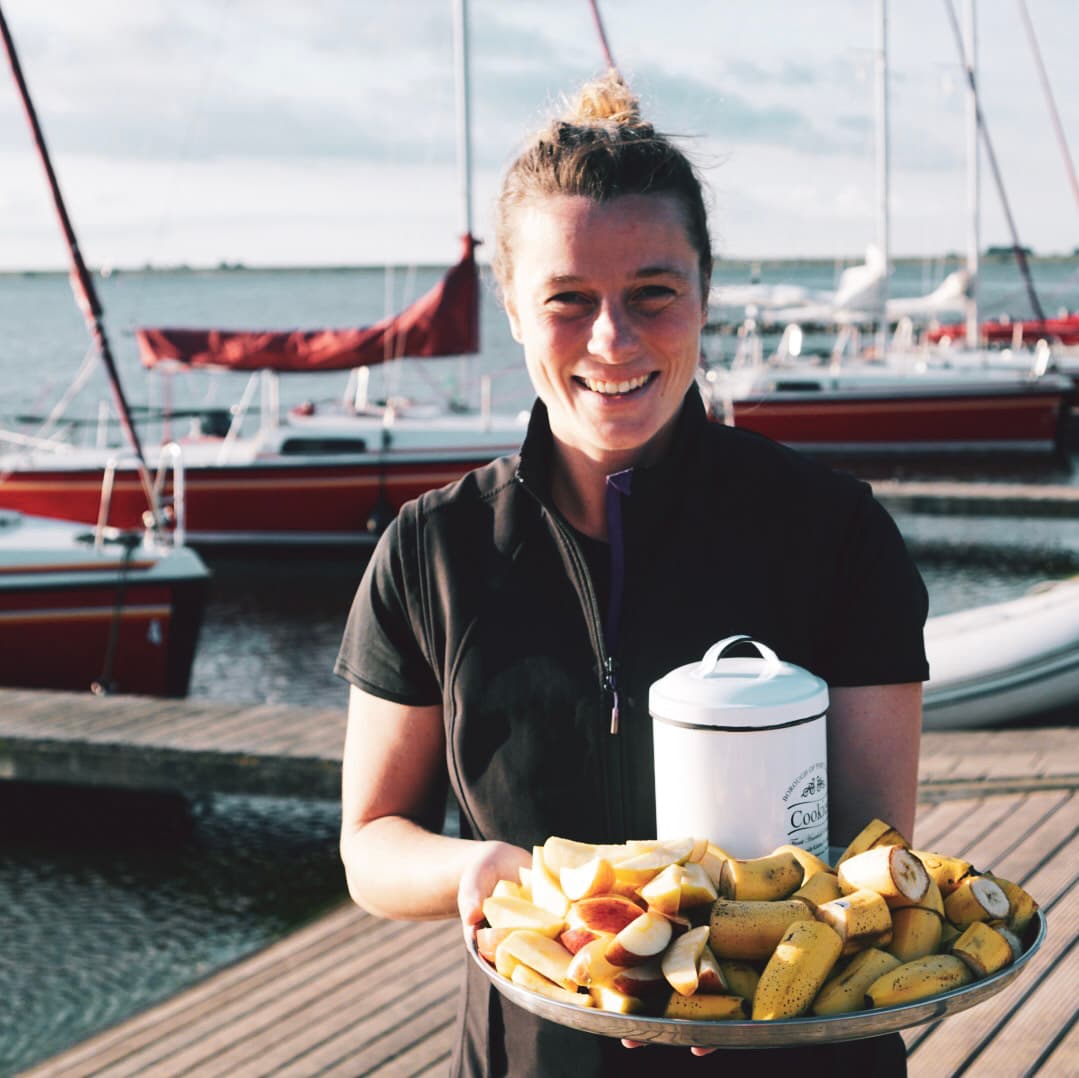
x,y
511,314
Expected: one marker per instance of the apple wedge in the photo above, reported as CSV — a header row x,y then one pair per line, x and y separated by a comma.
x,y
535,982
589,966
663,893
634,872
607,998
488,939
697,886
560,853
679,962
710,979
546,889
506,912
639,981
508,889
541,953
594,877
642,939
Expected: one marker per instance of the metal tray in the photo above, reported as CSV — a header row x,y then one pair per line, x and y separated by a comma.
x,y
748,1034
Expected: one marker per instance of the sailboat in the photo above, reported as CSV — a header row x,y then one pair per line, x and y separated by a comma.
x,y
100,609
889,399
320,474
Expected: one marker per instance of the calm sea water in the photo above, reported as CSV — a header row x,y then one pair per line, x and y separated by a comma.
x,y
111,904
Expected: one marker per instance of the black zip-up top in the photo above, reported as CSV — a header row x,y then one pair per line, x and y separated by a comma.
x,y
478,598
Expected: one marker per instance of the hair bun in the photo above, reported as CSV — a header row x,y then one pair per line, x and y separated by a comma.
x,y
606,99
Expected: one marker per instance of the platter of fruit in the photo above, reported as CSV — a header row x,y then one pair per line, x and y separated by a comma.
x,y
676,942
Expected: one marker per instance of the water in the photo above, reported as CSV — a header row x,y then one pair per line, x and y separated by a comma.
x,y
111,905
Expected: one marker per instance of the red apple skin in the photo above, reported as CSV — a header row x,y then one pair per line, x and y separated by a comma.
x,y
655,940
574,939
602,913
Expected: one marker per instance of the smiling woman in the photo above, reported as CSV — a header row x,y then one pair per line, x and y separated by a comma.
x,y
509,626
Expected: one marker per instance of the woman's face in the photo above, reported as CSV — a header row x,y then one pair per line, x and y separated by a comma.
x,y
606,299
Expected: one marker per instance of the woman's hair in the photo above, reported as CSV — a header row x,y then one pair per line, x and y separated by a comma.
x,y
601,149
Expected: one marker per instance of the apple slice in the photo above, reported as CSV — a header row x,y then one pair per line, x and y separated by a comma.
x,y
589,966
639,981
541,953
663,893
697,886
607,998
488,939
535,982
506,912
508,889
712,862
679,963
560,853
710,979
525,875
546,890
640,940
603,913
594,877
636,871
700,848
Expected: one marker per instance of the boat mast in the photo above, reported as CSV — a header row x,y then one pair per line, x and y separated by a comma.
x,y
81,281
970,46
464,112
883,238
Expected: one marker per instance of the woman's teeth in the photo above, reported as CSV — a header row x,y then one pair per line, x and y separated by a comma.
x,y
614,388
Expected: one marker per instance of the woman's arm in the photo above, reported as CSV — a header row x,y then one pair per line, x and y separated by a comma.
x,y
874,733
394,788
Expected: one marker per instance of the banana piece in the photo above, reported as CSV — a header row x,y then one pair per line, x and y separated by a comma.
x,y
915,933
706,1008
948,872
761,879
819,888
948,935
751,930
875,833
861,919
741,978
977,898
892,871
984,949
810,862
1021,905
917,980
794,974
845,991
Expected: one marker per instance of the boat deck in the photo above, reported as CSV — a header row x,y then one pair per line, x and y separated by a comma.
x,y
352,994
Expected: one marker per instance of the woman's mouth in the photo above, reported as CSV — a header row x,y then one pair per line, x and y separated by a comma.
x,y
616,389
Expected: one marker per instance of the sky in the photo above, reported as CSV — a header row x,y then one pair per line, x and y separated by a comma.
x,y
270,132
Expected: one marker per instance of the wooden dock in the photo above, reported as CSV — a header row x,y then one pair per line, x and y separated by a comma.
x,y
354,995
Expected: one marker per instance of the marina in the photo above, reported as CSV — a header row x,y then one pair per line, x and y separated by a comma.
x,y
351,994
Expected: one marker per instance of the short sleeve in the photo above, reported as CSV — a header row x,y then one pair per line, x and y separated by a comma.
x,y
382,648
875,615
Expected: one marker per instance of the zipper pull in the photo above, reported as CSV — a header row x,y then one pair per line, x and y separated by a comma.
x,y
610,686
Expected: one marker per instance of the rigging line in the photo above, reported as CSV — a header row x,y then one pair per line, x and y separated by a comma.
x,y
598,20
1054,115
81,282
1017,247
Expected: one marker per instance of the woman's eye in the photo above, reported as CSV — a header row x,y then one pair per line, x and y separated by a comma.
x,y
569,298
654,293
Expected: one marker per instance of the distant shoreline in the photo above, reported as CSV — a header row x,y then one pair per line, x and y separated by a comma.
x,y
757,264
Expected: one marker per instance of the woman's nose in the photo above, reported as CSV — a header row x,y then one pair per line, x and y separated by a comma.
x,y
613,336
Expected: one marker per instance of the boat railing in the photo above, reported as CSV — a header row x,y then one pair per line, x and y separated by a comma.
x,y
108,482
239,414
172,457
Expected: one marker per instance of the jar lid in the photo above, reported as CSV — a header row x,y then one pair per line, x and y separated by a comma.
x,y
738,693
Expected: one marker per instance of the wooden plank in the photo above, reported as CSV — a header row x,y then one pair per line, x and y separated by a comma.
x,y
1062,1058
949,1045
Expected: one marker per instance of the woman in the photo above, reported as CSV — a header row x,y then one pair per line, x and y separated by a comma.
x,y
508,627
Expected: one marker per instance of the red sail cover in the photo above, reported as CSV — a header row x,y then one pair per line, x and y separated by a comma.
x,y
444,322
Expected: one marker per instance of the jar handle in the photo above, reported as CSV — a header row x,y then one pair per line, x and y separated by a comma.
x,y
718,650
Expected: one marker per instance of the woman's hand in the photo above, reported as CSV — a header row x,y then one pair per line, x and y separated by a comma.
x,y
494,861
642,1044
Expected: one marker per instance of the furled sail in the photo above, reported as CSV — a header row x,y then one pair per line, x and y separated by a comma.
x,y
444,322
